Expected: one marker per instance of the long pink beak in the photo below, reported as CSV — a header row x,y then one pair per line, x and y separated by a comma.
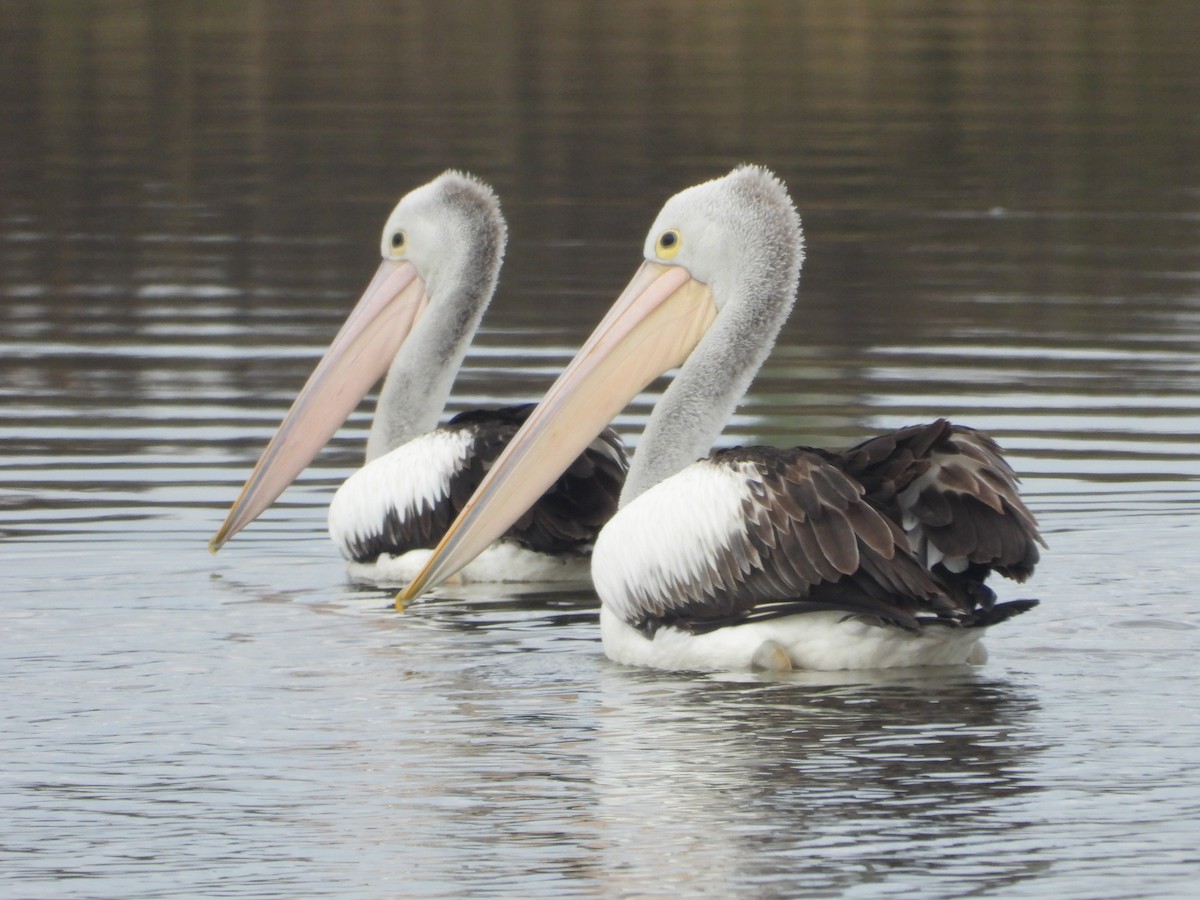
x,y
653,326
359,355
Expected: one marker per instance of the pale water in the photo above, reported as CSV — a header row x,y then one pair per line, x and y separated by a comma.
x,y
1002,207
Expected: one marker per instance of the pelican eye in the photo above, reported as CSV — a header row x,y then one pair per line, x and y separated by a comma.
x,y
399,240
668,243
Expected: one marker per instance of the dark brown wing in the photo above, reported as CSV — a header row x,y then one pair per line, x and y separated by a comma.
x,y
956,497
566,519
811,541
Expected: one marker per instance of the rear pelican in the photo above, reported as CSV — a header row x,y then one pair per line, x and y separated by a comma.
x,y
757,557
442,248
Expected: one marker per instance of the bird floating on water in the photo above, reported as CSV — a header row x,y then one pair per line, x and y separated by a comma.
x,y
442,249
756,557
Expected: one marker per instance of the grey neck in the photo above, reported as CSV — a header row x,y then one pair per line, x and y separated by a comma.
x,y
695,407
420,378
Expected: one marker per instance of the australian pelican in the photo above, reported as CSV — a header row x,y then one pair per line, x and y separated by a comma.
x,y
442,248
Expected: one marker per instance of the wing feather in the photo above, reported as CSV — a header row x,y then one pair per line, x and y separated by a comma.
x,y
956,496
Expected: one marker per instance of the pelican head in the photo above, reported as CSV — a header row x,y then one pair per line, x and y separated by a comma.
x,y
720,269
442,248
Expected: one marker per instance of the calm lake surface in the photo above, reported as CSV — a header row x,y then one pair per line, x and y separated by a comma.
x,y
1002,208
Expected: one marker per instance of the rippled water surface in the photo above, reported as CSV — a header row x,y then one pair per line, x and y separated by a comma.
x,y
1003,223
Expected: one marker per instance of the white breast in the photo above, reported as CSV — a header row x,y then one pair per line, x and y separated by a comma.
x,y
409,479
661,545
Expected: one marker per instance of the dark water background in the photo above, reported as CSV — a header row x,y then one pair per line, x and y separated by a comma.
x,y
1002,207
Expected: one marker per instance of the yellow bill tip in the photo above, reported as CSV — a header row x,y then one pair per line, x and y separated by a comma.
x,y
410,593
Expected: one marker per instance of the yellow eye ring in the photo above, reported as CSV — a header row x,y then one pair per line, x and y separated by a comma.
x,y
399,242
668,244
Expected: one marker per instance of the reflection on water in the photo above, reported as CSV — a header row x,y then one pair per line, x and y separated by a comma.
x,y
900,773
1001,210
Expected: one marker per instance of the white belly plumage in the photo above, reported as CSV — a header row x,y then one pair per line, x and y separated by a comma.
x,y
823,641
503,562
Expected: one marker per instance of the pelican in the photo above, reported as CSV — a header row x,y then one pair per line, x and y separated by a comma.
x,y
757,557
442,248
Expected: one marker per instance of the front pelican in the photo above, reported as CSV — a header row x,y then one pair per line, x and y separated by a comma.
x,y
442,248
757,557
